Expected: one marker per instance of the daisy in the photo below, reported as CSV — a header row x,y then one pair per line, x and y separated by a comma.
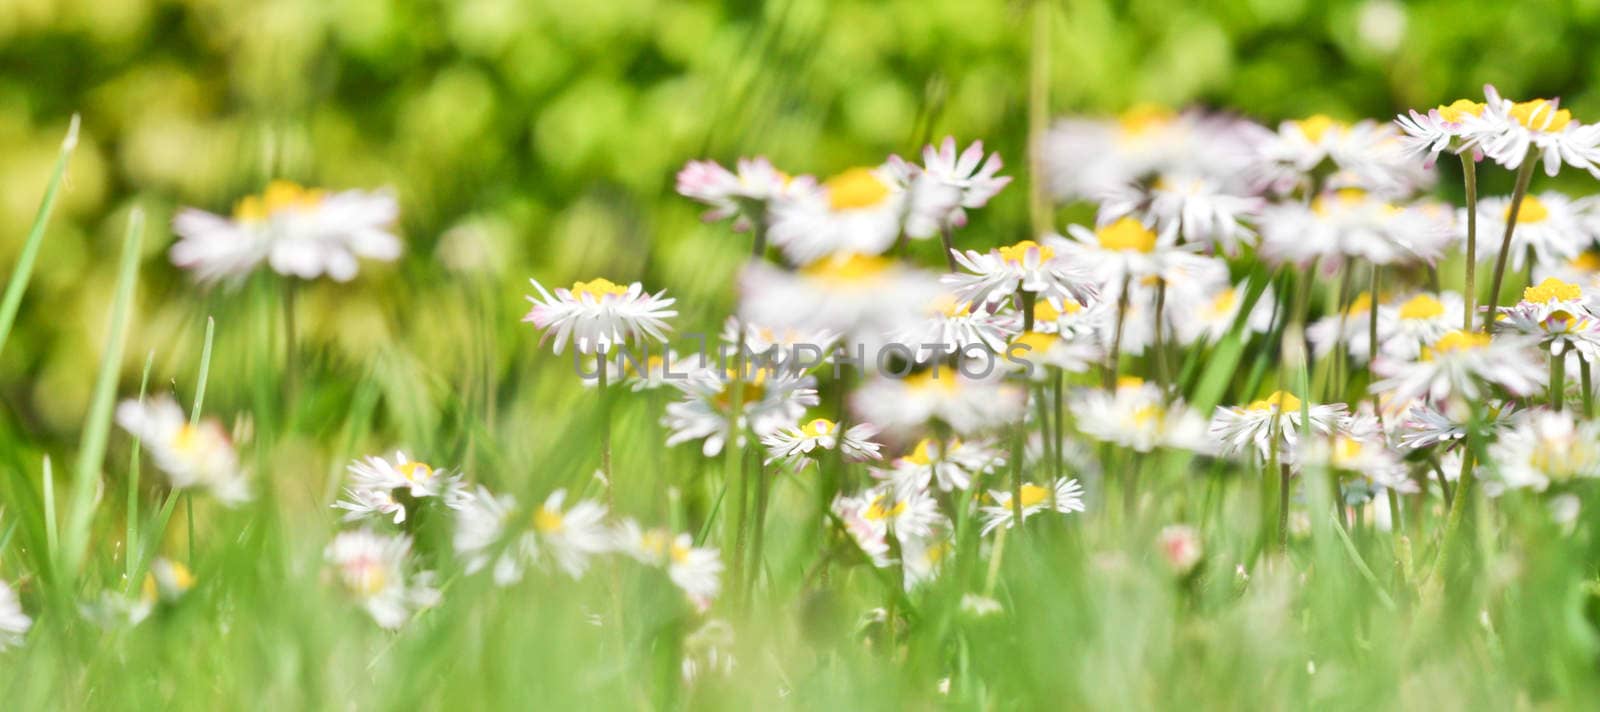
x,y
1583,270
565,536
773,346
375,480
599,314
795,444
1460,364
1357,445
1546,447
708,650
1555,312
1421,425
1211,315
1405,328
1072,320
858,210
1456,127
902,406
1027,267
14,624
1535,130
883,509
299,232
1034,351
1365,155
1547,225
922,557
859,298
1126,250
743,195
1186,208
770,400
1088,158
1353,223
372,568
952,326
696,570
1278,417
951,467
192,456
1180,547
1136,416
946,185
1347,330
1063,495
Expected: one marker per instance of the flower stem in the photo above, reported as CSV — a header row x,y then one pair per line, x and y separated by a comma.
x,y
1158,345
1587,386
1283,506
1469,291
1116,337
949,247
1038,116
1558,381
1524,175
1372,335
1452,539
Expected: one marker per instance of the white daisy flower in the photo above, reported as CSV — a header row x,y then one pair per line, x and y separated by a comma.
x,y
1357,445
1087,158
192,456
859,298
743,195
1461,364
373,569
374,481
695,570
778,346
870,518
930,463
1352,223
299,232
1455,127
1365,155
946,185
14,624
1063,495
858,211
1555,312
1348,330
1404,329
1276,417
565,536
1583,270
481,524
903,406
708,650
1026,266
571,535
1186,208
1422,425
772,399
795,444
1547,224
598,315
1035,353
1211,315
1126,250
1091,323
951,326
1136,416
1538,130
1543,448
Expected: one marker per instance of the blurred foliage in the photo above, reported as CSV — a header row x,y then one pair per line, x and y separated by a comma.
x,y
543,136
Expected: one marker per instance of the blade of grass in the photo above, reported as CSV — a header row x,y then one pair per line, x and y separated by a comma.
x,y
97,426
130,543
23,272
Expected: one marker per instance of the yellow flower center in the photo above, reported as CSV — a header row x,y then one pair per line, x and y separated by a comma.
x,y
547,521
855,188
415,471
879,511
1552,290
1015,254
1360,305
678,552
1223,303
1422,306
598,289
1284,401
1459,109
951,307
369,579
1316,126
1126,234
1540,115
1033,494
925,380
1343,197
280,196
847,268
751,391
187,439
923,453
1147,414
1129,382
1140,118
1586,262
1456,341
818,428
1037,342
1533,210
1345,450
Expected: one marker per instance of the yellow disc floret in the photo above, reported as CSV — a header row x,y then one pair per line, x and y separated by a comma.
x,y
847,268
1422,306
280,196
1316,126
1459,109
1126,234
855,188
818,428
598,289
1016,254
1456,341
1540,115
1533,210
1283,400
1552,290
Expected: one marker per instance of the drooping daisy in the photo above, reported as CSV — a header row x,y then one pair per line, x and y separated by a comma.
x,y
951,466
857,211
1456,127
708,651
1557,314
770,399
14,624
299,232
375,481
946,185
598,315
1422,425
1538,130
1460,364
374,570
1547,225
1026,266
969,405
1276,417
795,444
192,456
1063,495
743,195
1186,208
1546,447
1135,415
696,570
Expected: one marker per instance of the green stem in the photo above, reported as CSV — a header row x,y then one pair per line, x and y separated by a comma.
x,y
1157,346
1116,337
1524,176
1587,385
23,272
1558,381
1469,291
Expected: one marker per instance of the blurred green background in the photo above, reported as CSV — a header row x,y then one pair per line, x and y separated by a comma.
x,y
541,138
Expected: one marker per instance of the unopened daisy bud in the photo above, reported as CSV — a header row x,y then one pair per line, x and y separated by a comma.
x,y
1180,547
